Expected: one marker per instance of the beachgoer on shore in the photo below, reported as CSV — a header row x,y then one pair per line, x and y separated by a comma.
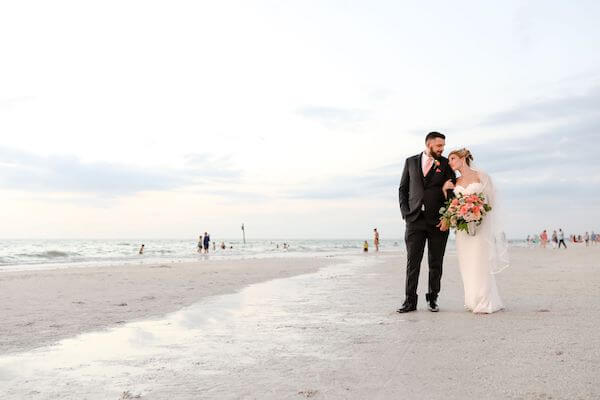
x,y
544,239
561,238
586,237
206,242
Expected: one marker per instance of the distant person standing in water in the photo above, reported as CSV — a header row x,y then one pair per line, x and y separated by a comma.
x,y
206,242
376,239
365,246
554,240
200,245
142,249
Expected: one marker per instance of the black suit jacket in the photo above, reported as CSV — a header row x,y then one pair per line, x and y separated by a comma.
x,y
417,190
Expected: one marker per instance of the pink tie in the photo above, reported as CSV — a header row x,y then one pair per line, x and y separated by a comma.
x,y
428,165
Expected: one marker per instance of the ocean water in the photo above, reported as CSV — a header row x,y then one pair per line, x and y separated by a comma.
x,y
20,254
31,254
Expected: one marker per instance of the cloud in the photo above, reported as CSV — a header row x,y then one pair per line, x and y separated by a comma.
x,y
574,192
381,94
550,165
372,183
210,166
9,104
555,166
575,106
68,174
568,149
522,25
334,117
565,148
234,196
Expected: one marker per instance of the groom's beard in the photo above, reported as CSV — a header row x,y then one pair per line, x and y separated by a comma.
x,y
435,154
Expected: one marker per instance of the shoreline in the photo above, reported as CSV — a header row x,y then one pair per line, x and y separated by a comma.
x,y
21,255
78,253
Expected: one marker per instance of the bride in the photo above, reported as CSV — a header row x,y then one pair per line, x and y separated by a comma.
x,y
482,255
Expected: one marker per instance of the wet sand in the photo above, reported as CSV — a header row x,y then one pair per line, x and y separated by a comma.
x,y
333,334
42,307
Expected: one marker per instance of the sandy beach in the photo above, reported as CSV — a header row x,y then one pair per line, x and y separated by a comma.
x,y
304,328
42,307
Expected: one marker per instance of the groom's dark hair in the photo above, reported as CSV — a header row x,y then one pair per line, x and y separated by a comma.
x,y
434,135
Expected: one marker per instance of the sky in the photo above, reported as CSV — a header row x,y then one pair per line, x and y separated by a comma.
x,y
163,119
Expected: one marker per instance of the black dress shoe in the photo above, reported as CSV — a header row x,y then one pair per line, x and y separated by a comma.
x,y
432,306
407,308
410,304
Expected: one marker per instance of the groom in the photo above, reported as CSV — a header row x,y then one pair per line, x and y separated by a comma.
x,y
421,195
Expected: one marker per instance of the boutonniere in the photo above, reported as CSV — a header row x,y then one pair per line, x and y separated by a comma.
x,y
436,163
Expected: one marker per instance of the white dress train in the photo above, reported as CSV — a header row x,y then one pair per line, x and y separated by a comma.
x,y
481,292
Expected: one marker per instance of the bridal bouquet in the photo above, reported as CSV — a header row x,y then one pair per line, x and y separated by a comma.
x,y
465,212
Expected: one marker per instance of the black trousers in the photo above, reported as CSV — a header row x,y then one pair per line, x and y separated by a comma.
x,y
562,242
417,234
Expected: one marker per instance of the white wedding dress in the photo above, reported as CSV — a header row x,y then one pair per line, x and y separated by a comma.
x,y
476,259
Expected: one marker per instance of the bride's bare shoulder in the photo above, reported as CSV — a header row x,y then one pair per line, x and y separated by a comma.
x,y
483,177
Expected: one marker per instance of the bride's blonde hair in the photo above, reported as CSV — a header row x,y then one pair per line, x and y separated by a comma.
x,y
463,153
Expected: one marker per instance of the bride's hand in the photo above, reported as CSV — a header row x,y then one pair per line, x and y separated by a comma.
x,y
442,225
447,186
